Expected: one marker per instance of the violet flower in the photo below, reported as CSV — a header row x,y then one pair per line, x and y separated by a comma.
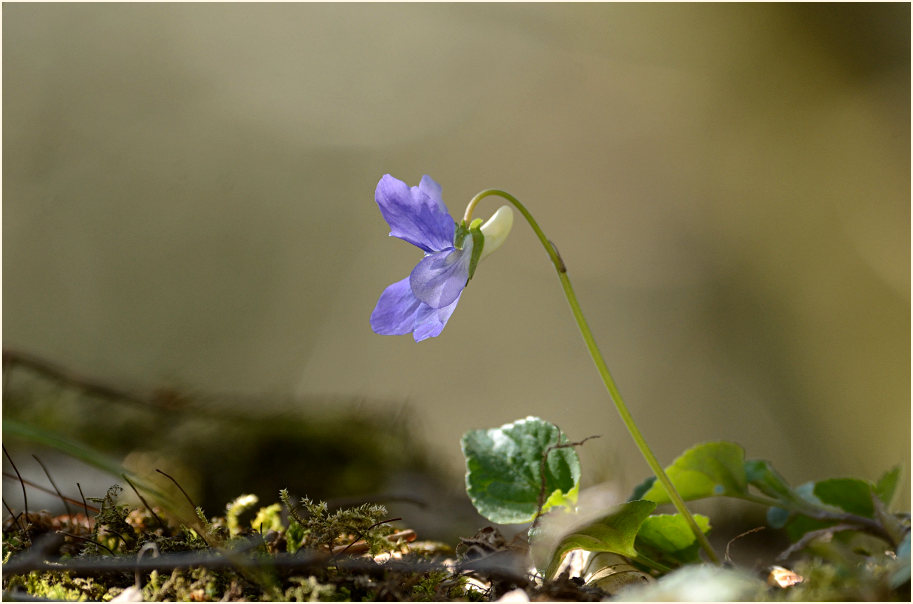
x,y
422,303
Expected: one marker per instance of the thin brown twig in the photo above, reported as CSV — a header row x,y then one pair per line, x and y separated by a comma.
x,y
25,499
361,535
50,492
90,540
15,517
812,535
66,505
145,503
756,529
177,484
84,504
542,465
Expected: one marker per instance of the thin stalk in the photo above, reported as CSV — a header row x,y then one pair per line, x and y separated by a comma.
x,y
601,366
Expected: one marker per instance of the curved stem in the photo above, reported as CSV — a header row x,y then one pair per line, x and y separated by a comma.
x,y
808,509
601,366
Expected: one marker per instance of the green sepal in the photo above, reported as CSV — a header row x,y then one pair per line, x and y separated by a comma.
x,y
461,231
478,242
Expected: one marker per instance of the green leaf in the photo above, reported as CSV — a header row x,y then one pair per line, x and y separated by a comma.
x,y
849,494
642,488
705,470
668,537
762,476
504,466
614,533
670,533
887,485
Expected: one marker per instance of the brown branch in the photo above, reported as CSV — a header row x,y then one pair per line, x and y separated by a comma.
x,y
87,385
309,561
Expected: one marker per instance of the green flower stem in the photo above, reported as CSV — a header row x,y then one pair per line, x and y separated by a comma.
x,y
601,366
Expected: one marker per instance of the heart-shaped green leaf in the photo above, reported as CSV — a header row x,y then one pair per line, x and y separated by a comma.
x,y
614,532
705,470
505,469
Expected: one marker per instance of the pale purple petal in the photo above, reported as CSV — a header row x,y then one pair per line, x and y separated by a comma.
x,y
417,215
430,322
429,187
440,277
396,310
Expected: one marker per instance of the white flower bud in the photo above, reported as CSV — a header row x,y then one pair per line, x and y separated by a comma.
x,y
495,230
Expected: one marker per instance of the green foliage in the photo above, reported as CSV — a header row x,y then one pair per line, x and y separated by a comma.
x,y
506,466
614,532
719,469
667,538
111,528
886,486
233,511
849,494
60,586
268,519
315,527
705,470
761,475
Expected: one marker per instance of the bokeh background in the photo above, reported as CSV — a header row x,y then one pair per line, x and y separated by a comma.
x,y
187,203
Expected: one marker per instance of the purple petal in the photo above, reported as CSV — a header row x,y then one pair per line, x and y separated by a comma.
x,y
417,215
399,312
396,310
440,277
429,187
430,322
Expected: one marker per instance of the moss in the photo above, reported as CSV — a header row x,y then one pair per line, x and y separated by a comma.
x,y
64,585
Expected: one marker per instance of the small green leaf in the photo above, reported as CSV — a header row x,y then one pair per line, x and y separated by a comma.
x,y
614,533
762,476
642,488
849,494
668,536
887,485
705,470
503,477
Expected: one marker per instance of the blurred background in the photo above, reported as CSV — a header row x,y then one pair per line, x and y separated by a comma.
x,y
188,209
